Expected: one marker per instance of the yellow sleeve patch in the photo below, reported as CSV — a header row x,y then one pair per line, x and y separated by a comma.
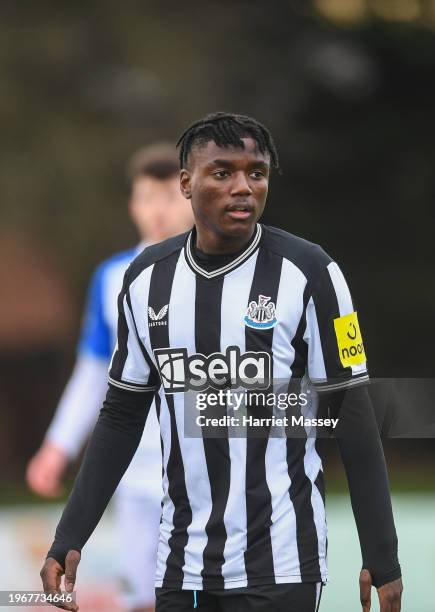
x,y
349,340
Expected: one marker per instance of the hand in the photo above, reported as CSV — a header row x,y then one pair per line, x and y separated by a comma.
x,y
51,577
390,594
45,470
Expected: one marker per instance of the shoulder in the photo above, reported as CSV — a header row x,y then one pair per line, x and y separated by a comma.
x,y
154,253
118,259
308,256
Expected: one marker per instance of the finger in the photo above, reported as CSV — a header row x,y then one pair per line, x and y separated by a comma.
x,y
384,605
396,604
365,588
390,596
71,562
32,477
50,575
388,604
71,606
51,585
49,482
53,488
389,599
40,483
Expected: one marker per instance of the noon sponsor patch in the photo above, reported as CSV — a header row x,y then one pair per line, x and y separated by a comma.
x,y
349,340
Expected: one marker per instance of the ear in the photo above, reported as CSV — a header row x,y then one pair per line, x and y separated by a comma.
x,y
186,183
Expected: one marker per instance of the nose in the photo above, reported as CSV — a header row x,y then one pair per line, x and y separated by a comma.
x,y
240,185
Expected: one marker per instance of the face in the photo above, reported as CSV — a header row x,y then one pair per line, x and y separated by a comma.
x,y
158,208
228,187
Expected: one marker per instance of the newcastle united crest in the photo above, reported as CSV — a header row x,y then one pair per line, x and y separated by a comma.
x,y
261,315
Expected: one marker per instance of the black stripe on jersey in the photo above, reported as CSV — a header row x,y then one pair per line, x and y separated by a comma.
x,y
161,281
120,356
208,299
300,485
300,346
320,484
259,556
158,402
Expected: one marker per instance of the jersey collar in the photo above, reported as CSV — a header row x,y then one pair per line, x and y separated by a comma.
x,y
240,259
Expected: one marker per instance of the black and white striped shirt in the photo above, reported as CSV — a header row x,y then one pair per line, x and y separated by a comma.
x,y
237,511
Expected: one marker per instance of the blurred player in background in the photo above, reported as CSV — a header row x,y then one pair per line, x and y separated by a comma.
x,y
158,211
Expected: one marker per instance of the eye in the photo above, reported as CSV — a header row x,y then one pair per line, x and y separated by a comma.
x,y
257,174
220,174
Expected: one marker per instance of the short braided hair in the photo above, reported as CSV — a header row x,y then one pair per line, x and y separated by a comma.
x,y
226,129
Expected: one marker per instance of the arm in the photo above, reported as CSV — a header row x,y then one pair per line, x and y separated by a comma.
x,y
133,382
111,448
81,401
82,398
74,418
337,365
79,405
363,459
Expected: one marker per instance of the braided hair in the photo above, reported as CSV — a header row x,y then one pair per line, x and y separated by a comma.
x,y
226,129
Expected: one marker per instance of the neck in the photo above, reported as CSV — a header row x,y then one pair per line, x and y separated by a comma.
x,y
217,244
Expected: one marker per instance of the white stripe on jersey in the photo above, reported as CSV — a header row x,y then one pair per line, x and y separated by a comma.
x,y
182,327
136,369
316,361
345,303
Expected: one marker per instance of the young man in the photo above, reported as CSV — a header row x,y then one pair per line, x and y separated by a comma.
x,y
245,305
159,211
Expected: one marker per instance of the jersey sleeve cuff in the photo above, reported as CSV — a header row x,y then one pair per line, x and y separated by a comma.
x,y
59,551
331,384
131,386
379,579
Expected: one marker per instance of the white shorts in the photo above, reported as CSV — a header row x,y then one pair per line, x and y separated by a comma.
x,y
137,523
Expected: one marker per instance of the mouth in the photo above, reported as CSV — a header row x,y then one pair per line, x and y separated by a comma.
x,y
240,211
